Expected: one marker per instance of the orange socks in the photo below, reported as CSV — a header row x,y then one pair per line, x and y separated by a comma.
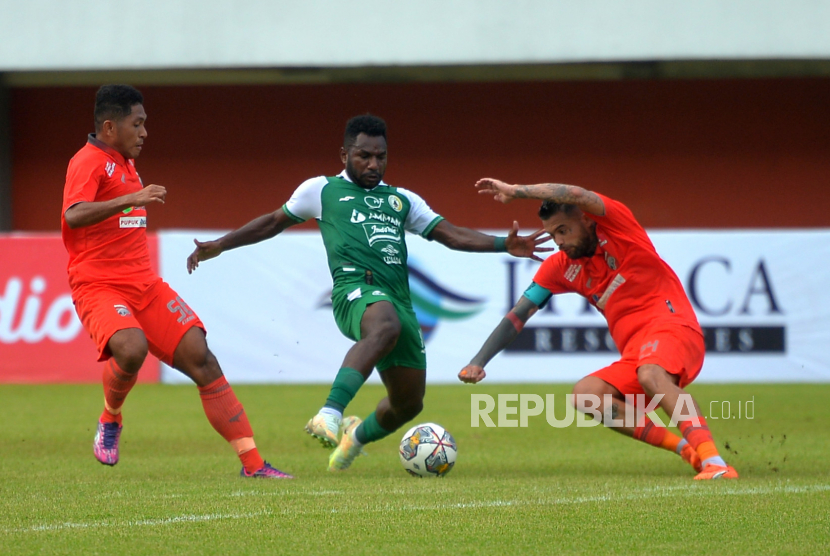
x,y
227,416
117,384
252,461
656,435
701,440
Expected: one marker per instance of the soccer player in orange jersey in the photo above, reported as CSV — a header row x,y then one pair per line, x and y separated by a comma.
x,y
606,256
127,308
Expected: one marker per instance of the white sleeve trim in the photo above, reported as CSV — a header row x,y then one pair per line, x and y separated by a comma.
x,y
306,201
420,215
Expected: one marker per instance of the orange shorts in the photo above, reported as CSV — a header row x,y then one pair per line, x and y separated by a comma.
x,y
154,308
678,349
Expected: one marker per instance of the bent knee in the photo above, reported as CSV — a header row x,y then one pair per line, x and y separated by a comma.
x,y
652,378
129,352
410,410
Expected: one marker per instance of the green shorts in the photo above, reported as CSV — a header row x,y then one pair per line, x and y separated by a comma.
x,y
349,303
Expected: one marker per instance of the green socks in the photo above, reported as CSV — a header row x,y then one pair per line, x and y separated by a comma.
x,y
346,384
370,430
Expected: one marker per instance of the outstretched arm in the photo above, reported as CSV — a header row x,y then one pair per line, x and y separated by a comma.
x,y
586,200
466,239
500,338
258,229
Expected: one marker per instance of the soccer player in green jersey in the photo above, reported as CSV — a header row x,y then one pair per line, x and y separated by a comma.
x,y
362,221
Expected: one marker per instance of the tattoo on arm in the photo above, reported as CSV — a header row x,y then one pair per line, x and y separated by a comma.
x,y
505,332
559,193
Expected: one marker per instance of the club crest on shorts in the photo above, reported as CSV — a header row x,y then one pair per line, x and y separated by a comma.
x,y
122,310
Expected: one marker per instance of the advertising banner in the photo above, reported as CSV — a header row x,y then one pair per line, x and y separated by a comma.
x,y
761,297
41,338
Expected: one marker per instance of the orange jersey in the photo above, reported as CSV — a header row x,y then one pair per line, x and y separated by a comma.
x,y
115,250
625,279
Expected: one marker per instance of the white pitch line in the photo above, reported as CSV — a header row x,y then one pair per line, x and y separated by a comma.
x,y
655,492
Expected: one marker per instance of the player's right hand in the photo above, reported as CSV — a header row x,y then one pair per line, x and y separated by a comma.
x,y
204,250
472,374
151,194
501,191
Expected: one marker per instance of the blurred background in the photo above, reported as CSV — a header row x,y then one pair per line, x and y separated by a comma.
x,y
710,120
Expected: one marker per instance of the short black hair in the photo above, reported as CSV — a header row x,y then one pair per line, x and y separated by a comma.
x,y
115,102
365,123
549,208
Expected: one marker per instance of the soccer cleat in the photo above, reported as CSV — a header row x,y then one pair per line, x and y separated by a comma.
x,y
266,472
690,456
712,472
325,427
343,456
105,445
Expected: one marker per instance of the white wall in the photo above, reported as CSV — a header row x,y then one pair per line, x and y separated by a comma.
x,y
161,34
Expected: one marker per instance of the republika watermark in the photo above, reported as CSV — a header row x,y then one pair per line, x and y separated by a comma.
x,y
603,410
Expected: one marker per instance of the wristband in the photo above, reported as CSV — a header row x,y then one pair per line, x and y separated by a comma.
x,y
500,244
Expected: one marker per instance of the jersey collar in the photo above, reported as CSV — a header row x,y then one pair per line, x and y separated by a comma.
x,y
119,158
346,177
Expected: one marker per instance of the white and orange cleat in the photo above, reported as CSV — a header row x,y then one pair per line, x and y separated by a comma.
x,y
712,472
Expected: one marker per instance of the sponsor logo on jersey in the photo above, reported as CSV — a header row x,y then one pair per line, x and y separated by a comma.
x,y
395,203
381,232
391,255
346,198
123,178
133,222
122,310
373,202
110,168
612,287
610,261
572,272
385,218
357,217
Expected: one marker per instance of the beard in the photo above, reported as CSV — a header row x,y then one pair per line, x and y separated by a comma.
x,y
361,179
586,247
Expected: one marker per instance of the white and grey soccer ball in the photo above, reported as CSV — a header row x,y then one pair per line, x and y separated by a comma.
x,y
428,450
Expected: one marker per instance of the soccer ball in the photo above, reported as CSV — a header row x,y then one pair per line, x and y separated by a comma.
x,y
427,450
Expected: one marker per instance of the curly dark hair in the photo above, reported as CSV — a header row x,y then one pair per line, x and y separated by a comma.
x,y
365,123
115,102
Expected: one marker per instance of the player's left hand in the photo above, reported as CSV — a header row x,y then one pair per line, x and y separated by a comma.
x,y
527,246
204,250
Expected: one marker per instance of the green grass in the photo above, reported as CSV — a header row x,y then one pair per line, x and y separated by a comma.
x,y
534,490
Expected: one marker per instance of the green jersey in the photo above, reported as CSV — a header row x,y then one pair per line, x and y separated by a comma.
x,y
363,229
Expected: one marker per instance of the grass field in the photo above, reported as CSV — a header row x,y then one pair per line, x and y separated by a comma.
x,y
534,490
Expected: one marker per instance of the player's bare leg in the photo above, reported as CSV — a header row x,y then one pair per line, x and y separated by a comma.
x,y
405,388
227,416
596,390
128,349
379,330
656,380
